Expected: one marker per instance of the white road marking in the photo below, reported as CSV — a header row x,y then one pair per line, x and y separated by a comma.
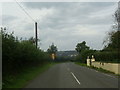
x,y
75,78
103,73
108,75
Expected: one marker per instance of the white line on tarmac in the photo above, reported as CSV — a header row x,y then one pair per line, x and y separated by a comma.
x,y
109,75
103,73
75,78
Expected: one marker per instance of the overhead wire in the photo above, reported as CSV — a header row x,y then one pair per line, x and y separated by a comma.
x,y
24,10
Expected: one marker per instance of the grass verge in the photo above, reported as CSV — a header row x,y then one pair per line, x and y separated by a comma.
x,y
81,64
23,78
98,69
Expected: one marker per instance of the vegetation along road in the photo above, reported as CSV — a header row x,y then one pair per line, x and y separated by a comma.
x,y
70,75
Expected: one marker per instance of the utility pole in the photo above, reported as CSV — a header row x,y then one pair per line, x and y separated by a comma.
x,y
36,39
118,16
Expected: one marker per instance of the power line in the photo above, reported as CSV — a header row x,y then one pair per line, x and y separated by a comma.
x,y
25,11
36,26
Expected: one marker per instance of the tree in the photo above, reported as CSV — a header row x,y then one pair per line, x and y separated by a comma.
x,y
80,47
83,51
32,40
113,40
52,49
117,16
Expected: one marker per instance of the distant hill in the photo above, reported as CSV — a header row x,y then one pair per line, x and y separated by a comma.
x,y
71,53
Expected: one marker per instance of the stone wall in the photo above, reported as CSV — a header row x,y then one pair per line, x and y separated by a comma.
x,y
113,67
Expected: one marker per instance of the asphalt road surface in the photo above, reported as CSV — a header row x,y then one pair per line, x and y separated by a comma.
x,y
70,75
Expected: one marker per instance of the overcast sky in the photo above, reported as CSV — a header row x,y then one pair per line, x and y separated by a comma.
x,y
63,23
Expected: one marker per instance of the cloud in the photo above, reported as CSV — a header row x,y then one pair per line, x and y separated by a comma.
x,y
40,13
66,24
75,13
8,18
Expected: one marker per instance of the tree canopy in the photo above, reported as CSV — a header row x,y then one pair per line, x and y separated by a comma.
x,y
80,47
52,49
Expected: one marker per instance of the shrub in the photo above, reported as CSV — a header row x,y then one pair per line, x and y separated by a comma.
x,y
18,55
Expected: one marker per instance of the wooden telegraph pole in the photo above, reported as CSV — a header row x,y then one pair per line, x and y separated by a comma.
x,y
118,15
36,38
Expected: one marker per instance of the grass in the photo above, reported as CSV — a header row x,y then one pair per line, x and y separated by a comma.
x,y
23,78
98,69
81,64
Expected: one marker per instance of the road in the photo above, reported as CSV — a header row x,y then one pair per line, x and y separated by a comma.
x,y
70,75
